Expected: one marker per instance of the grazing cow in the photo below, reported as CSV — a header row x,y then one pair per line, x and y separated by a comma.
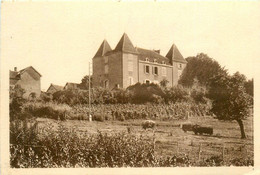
x,y
201,130
187,127
148,124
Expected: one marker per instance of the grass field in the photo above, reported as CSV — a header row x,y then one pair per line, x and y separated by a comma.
x,y
170,139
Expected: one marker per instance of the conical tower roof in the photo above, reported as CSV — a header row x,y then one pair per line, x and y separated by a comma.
x,y
103,49
175,55
125,45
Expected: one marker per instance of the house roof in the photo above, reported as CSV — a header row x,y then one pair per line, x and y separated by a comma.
x,y
72,84
125,45
175,55
13,75
103,49
152,55
30,67
57,87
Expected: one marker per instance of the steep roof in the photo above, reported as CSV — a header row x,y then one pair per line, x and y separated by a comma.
x,y
13,74
152,55
57,87
125,45
175,55
27,68
103,49
13,77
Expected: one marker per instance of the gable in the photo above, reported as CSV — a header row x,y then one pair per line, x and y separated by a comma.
x,y
32,72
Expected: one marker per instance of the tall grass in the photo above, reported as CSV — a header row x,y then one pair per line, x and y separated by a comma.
x,y
65,147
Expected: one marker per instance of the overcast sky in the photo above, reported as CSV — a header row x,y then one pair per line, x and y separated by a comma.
x,y
59,39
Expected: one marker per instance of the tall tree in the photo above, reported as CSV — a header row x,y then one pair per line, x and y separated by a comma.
x,y
202,68
249,85
229,98
85,82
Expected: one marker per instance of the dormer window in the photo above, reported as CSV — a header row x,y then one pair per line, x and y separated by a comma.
x,y
155,61
163,62
146,59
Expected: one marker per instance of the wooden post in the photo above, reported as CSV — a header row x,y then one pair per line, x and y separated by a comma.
x,y
177,149
223,152
153,140
245,151
199,152
89,105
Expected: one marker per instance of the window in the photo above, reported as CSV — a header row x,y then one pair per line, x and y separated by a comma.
x,y
147,81
163,62
106,69
180,66
131,81
155,70
147,69
130,66
164,71
155,61
146,59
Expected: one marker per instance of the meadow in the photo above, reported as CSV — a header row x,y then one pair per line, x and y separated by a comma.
x,y
170,139
166,142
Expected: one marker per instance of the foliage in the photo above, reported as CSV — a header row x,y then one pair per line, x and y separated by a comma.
x,y
198,93
143,93
46,147
71,96
164,83
201,67
49,110
46,97
85,82
65,148
249,85
123,96
16,102
176,94
230,100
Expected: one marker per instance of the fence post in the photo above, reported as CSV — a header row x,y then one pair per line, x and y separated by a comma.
x,y
199,152
153,140
177,148
223,152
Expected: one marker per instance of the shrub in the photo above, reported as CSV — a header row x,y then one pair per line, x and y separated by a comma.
x,y
98,117
49,110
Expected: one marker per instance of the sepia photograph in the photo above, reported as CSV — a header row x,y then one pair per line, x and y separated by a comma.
x,y
136,85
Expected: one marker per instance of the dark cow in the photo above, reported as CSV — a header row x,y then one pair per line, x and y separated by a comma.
x,y
202,130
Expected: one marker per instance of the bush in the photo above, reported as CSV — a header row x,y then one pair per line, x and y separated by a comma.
x,y
176,94
98,117
49,110
46,97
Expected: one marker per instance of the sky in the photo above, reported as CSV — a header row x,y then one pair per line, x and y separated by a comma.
x,y
59,39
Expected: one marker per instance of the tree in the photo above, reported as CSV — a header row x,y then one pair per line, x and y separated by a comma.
x,y
202,68
249,85
229,98
85,82
16,102
164,83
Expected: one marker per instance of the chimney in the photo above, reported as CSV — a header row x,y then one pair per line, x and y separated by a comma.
x,y
15,69
157,51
